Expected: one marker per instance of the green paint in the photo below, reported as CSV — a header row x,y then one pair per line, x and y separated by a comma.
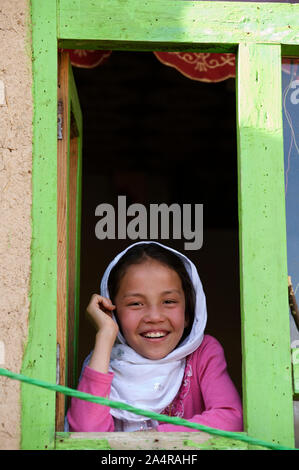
x,y
38,406
66,441
222,443
76,110
69,441
175,25
78,257
267,399
68,104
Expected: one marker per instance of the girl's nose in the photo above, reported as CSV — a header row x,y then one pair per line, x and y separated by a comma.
x,y
154,314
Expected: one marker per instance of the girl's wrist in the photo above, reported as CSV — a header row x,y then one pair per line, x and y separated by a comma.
x,y
100,358
106,336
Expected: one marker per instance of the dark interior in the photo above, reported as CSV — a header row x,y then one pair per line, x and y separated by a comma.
x,y
154,135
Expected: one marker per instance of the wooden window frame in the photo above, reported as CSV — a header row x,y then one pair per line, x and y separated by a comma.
x,y
259,34
69,179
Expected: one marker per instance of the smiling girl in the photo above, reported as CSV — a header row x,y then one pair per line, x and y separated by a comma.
x,y
150,348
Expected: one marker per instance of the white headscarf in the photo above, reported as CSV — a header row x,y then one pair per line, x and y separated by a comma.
x,y
145,383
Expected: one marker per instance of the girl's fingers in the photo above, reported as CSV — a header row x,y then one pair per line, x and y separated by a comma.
x,y
107,308
107,303
103,303
99,306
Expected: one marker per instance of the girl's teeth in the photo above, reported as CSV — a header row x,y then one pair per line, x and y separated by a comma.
x,y
154,335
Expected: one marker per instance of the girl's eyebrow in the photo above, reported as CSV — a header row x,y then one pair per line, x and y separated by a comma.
x,y
136,294
171,291
133,294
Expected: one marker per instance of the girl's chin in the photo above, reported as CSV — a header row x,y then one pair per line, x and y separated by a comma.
x,y
154,357
156,354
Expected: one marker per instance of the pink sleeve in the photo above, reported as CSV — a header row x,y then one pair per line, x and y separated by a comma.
x,y
223,408
84,416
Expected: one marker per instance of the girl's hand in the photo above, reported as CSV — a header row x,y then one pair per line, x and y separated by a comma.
x,y
99,312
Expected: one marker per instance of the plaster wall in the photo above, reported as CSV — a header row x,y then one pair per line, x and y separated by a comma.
x,y
15,206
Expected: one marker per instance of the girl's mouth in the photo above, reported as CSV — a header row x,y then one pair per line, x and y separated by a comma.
x,y
155,334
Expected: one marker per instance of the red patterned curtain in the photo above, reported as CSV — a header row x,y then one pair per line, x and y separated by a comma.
x,y
198,66
204,67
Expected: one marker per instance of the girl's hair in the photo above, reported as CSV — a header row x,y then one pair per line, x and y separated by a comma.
x,y
144,251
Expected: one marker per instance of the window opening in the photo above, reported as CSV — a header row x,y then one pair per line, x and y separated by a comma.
x,y
155,136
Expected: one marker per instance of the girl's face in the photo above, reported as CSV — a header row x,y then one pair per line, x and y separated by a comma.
x,y
150,305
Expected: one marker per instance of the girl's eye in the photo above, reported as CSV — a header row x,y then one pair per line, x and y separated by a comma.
x,y
169,301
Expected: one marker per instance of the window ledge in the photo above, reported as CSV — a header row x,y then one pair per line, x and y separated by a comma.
x,y
146,441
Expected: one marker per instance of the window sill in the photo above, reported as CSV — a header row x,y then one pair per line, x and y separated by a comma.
x,y
146,441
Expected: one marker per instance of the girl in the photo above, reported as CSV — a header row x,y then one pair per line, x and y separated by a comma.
x,y
150,348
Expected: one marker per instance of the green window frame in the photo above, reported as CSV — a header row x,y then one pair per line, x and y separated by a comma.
x,y
259,34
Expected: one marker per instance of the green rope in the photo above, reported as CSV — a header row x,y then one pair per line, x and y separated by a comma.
x,y
155,416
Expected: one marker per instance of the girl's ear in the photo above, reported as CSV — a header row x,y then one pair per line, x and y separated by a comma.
x,y
186,324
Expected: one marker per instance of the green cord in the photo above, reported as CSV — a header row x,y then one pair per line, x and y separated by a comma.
x,y
155,416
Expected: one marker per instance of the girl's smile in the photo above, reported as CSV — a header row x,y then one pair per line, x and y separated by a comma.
x,y
150,308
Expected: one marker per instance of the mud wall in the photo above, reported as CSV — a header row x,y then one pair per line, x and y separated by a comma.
x,y
15,205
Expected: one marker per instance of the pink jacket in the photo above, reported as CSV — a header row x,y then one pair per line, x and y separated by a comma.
x,y
207,396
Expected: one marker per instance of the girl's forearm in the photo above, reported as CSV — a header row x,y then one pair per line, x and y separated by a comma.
x,y
100,358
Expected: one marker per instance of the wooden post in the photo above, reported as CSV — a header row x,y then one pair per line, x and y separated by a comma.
x,y
62,229
38,405
267,383
68,228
